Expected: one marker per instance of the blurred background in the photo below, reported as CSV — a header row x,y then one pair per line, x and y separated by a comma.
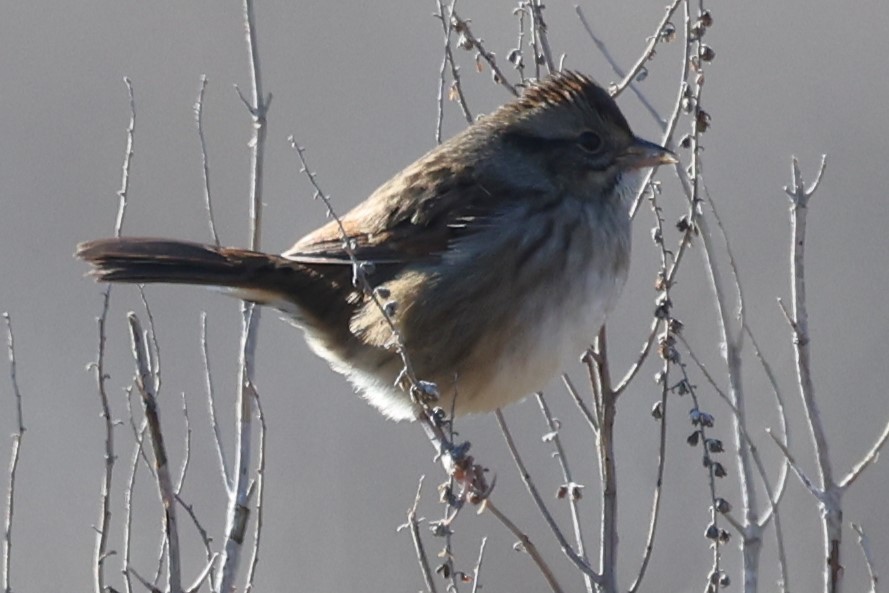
x,y
356,84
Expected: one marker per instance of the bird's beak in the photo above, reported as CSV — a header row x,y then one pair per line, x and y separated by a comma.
x,y
642,153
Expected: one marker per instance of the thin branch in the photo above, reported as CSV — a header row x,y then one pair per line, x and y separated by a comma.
x,y
260,490
605,449
685,239
603,49
103,528
864,544
541,506
456,92
166,490
658,486
476,582
648,52
578,401
525,545
799,197
785,427
454,458
205,537
203,576
570,488
359,273
186,447
238,511
831,494
205,168
469,41
145,583
14,454
211,407
413,523
810,486
539,35
869,458
128,494
753,531
123,192
154,349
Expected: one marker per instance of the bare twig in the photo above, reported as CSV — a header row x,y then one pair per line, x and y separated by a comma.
x,y
791,461
413,523
470,41
647,53
153,351
123,192
476,582
799,197
603,49
14,455
138,452
597,357
186,447
359,276
456,92
103,528
145,583
205,537
869,458
658,484
238,511
539,36
864,544
146,387
211,407
578,401
830,494
569,489
260,490
203,576
453,457
205,168
785,427
525,545
541,506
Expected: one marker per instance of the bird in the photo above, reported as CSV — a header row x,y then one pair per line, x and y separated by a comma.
x,y
497,256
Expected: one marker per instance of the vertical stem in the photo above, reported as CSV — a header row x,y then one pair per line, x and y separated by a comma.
x,y
238,509
831,498
607,468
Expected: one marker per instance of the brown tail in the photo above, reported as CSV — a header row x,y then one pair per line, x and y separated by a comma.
x,y
144,260
322,295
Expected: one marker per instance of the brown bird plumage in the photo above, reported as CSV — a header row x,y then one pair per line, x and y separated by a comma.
x,y
502,250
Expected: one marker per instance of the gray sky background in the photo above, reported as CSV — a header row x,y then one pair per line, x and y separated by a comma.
x,y
356,84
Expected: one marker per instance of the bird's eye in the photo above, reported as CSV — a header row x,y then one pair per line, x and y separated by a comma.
x,y
590,141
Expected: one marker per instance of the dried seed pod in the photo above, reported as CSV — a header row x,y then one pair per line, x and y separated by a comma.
x,y
708,54
722,505
657,410
702,120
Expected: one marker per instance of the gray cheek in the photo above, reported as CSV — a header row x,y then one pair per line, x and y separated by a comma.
x,y
629,183
512,168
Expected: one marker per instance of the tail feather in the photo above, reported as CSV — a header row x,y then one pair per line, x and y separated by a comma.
x,y
143,261
319,297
